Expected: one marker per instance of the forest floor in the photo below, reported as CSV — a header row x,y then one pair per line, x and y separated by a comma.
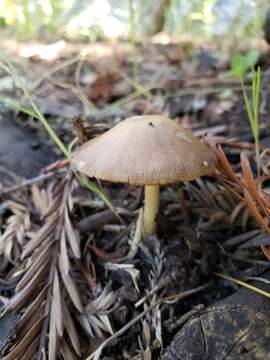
x,y
67,283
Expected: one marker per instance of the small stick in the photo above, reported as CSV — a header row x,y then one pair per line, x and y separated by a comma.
x,y
95,221
31,181
153,291
57,68
8,172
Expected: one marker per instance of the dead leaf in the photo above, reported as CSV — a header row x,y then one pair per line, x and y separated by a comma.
x,y
52,346
71,287
70,328
64,254
72,235
56,298
24,344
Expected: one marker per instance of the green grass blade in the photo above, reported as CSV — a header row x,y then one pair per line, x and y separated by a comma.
x,y
248,108
253,87
95,189
12,71
7,65
257,96
244,284
252,109
16,106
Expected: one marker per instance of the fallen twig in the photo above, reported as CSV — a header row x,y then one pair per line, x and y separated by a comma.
x,y
31,181
95,221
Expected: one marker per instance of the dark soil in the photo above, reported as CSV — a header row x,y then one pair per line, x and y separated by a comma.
x,y
22,152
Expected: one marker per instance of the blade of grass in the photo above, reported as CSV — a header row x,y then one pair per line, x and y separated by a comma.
x,y
15,105
95,189
252,109
253,89
12,71
248,106
137,86
7,65
257,97
133,31
244,284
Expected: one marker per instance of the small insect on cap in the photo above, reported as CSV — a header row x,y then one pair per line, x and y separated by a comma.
x,y
145,150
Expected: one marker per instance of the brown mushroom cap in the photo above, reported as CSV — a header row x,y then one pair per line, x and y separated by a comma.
x,y
145,150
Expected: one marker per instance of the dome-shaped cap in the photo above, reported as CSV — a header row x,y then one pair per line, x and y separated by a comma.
x,y
145,150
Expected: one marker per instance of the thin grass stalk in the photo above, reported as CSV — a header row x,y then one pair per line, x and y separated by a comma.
x,y
242,283
133,32
8,66
252,109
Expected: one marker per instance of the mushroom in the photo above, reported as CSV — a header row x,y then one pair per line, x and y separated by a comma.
x,y
147,150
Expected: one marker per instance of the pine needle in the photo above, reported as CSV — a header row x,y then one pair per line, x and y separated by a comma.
x,y
242,283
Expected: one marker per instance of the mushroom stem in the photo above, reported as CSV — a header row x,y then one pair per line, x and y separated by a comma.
x,y
151,208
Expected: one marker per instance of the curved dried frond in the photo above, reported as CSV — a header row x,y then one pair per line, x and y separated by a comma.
x,y
43,291
95,318
219,204
246,187
151,326
14,236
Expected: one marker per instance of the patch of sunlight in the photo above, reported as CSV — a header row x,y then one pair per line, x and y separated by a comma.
x,y
98,13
